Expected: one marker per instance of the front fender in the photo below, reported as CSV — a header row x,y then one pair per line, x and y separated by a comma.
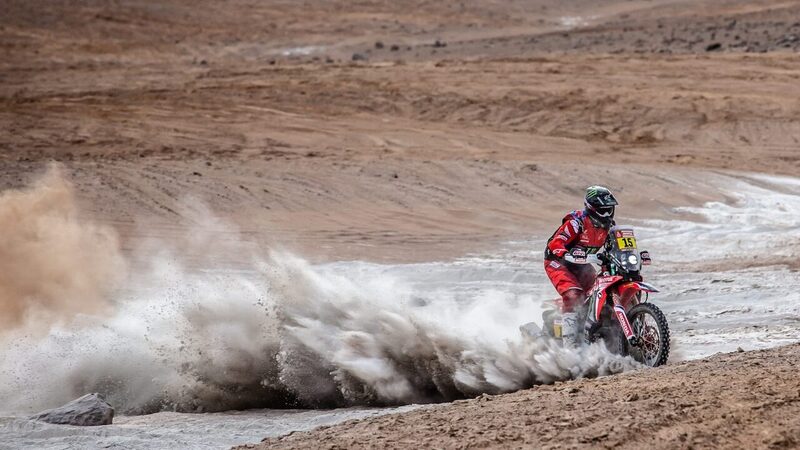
x,y
628,290
646,287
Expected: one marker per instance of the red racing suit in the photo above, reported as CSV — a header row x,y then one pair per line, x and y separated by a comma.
x,y
576,230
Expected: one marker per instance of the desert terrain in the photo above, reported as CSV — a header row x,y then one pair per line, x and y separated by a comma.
x,y
734,400
418,132
408,153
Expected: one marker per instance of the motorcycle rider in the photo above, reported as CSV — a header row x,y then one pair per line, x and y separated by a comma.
x,y
582,232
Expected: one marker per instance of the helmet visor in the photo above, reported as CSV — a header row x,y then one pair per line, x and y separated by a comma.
x,y
604,211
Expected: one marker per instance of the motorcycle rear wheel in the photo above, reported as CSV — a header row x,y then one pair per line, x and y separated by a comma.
x,y
650,326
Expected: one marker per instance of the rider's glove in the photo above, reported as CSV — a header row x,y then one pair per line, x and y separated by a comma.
x,y
560,252
578,254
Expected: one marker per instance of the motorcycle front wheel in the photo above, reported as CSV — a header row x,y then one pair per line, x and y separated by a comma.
x,y
650,326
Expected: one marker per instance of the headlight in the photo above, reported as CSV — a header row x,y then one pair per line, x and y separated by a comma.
x,y
633,260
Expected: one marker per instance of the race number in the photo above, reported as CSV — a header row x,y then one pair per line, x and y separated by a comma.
x,y
626,243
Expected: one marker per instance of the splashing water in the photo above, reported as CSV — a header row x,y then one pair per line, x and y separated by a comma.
x,y
281,333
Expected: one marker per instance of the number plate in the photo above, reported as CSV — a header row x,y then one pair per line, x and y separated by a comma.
x,y
626,243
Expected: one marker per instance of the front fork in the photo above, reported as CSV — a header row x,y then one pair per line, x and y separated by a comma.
x,y
619,311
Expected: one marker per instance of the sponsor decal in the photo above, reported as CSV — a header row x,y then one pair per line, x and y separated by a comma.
x,y
555,264
623,321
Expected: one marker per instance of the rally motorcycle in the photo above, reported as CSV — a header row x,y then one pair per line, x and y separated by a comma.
x,y
617,310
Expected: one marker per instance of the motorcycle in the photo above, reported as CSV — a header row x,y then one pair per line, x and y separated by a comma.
x,y
617,309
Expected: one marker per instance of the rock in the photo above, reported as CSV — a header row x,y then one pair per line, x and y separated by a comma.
x,y
439,44
394,48
714,47
358,57
484,397
89,410
379,45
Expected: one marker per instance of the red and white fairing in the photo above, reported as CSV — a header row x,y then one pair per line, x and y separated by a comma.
x,y
622,302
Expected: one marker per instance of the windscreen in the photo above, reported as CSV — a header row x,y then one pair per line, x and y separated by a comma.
x,y
623,249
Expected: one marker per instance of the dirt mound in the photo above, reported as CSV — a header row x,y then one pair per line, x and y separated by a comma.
x,y
736,400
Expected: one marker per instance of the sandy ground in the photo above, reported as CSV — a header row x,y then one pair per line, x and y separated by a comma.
x,y
735,400
417,131
406,158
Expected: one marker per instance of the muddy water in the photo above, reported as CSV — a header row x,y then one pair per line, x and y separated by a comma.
x,y
731,281
726,279
177,430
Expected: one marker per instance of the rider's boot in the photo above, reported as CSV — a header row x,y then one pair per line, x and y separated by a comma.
x,y
590,329
570,335
569,329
